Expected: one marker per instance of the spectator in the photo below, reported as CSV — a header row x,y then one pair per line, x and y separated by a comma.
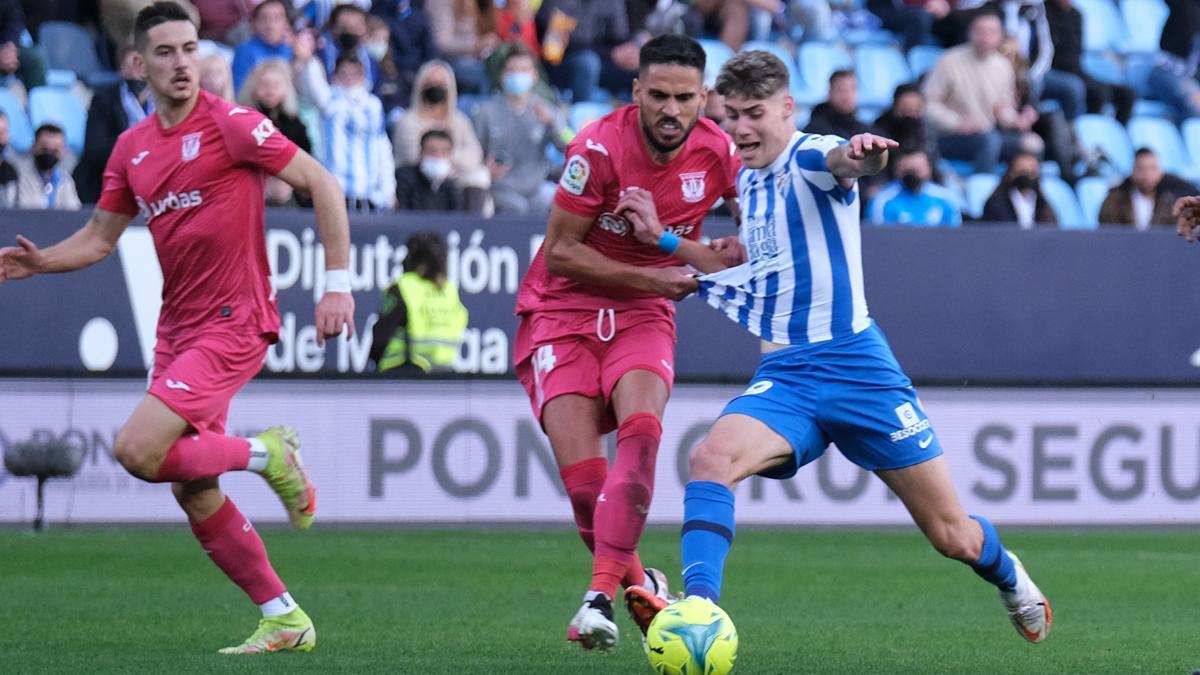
x,y
347,32
429,185
1051,126
730,18
1019,199
905,122
356,149
271,40
514,23
1174,78
913,199
117,17
26,63
465,37
8,174
390,82
515,128
422,319
837,115
318,12
114,108
1027,26
268,89
972,102
912,20
42,183
225,21
216,77
435,106
585,42
411,41
1146,197
1066,31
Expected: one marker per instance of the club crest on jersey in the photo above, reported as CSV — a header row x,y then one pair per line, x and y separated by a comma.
x,y
611,222
575,175
693,186
190,148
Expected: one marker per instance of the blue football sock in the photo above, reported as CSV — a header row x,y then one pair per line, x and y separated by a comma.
x,y
707,535
994,563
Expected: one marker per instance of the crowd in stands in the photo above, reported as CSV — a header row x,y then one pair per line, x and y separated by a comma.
x,y
1034,112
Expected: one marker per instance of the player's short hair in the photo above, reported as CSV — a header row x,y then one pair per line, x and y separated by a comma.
x,y
347,57
258,8
436,133
48,128
1142,152
426,255
839,74
163,11
513,50
754,74
672,49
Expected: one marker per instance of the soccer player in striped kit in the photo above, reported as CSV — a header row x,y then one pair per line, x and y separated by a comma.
x,y
827,374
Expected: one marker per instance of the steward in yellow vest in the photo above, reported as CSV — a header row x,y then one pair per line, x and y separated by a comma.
x,y
422,319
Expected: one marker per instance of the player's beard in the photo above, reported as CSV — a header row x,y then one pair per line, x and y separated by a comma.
x,y
659,147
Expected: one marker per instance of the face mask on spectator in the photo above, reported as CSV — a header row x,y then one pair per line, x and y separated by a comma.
x,y
135,86
434,95
517,84
45,161
347,41
1024,181
377,50
912,182
436,169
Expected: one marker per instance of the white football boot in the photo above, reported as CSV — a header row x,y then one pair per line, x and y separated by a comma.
x,y
1027,607
593,626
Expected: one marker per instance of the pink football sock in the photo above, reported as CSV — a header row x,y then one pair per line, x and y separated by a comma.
x,y
203,455
621,513
234,545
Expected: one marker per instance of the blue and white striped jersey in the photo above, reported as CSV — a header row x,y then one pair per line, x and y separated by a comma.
x,y
356,147
803,281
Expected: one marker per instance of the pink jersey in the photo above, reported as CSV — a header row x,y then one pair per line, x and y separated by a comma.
x,y
605,159
199,186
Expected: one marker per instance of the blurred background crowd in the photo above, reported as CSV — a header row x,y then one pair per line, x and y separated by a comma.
x,y
1027,113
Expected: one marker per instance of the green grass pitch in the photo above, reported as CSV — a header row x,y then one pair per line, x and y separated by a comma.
x,y
498,601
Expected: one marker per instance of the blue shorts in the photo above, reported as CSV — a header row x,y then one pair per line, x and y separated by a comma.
x,y
849,391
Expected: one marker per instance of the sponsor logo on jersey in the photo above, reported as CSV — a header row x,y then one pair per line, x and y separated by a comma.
x,y
139,157
189,149
263,131
575,175
172,202
911,422
693,186
611,222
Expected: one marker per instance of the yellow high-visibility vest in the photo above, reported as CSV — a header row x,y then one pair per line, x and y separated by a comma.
x,y
436,321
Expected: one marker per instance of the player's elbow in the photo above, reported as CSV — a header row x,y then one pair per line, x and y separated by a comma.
x,y
558,256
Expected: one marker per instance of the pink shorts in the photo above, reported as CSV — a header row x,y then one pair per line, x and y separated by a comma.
x,y
197,378
587,352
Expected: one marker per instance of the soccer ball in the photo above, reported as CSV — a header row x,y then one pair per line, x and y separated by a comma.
x,y
692,637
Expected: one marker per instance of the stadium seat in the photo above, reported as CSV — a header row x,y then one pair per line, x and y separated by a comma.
x,y
1105,133
1066,206
1103,28
68,46
979,187
583,114
716,53
61,79
1144,20
1191,141
880,68
1137,71
1103,67
1161,136
56,106
20,131
922,57
1144,107
818,60
789,61
1091,192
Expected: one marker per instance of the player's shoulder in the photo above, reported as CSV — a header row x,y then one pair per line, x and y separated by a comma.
x,y
601,139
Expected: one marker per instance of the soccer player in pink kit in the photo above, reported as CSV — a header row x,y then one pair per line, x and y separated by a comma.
x,y
195,170
595,345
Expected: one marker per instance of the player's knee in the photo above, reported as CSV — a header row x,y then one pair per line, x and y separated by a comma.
x,y
712,461
138,458
955,542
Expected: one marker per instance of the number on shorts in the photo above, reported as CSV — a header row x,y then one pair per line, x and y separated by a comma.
x,y
544,360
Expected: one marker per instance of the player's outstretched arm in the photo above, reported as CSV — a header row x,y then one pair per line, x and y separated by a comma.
x,y
1187,216
863,155
90,244
568,255
637,206
335,311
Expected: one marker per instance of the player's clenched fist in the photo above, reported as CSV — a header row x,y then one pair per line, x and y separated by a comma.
x,y
637,207
335,312
675,283
1187,216
19,262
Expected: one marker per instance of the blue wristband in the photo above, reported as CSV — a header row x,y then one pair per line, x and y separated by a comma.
x,y
668,242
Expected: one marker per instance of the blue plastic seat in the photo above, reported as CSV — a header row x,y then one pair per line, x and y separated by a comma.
x,y
979,187
583,114
880,68
20,131
1105,133
1144,20
922,57
1191,141
716,53
818,60
1091,192
1066,206
48,105
1104,68
68,46
1103,27
797,82
1161,136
